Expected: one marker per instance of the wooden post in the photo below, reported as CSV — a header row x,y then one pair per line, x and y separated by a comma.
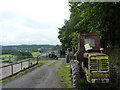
x,y
21,65
37,59
9,58
12,69
28,62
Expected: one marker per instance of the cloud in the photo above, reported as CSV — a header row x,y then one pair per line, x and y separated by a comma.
x,y
31,21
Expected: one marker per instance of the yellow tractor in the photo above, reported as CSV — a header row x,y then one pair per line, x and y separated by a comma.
x,y
89,62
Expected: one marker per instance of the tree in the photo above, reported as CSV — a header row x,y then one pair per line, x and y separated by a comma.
x,y
23,55
102,18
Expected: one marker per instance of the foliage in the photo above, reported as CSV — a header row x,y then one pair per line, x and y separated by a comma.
x,y
98,17
34,48
8,52
35,54
13,55
23,55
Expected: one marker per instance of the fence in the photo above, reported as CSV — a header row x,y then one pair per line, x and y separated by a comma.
x,y
14,68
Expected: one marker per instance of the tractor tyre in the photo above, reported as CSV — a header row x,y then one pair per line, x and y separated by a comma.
x,y
113,77
75,77
56,58
67,59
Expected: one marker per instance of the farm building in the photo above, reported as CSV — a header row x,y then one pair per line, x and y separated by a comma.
x,y
58,52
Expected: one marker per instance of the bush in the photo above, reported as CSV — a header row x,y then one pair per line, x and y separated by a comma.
x,y
23,55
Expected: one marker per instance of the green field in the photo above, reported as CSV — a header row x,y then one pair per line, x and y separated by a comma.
x,y
7,57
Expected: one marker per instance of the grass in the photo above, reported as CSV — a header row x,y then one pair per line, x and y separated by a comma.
x,y
12,58
43,61
7,57
40,63
35,54
65,78
53,64
60,58
64,73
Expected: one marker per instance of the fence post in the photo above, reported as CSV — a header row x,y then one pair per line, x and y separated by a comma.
x,y
37,59
12,69
9,58
28,62
21,65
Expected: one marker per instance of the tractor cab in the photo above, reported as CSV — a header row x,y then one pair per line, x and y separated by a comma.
x,y
88,42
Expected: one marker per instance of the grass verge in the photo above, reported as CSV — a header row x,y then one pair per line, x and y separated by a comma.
x,y
65,78
60,58
25,71
64,73
53,64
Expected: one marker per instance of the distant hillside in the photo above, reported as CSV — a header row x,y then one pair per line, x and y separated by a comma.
x,y
42,48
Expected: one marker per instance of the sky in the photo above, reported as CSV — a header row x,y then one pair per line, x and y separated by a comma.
x,y
32,21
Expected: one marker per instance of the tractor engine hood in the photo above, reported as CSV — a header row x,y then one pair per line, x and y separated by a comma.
x,y
95,55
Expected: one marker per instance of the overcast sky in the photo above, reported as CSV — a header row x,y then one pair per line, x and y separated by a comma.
x,y
32,21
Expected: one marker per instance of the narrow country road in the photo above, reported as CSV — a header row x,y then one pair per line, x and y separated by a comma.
x,y
41,77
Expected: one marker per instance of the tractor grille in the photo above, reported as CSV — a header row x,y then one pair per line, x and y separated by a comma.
x,y
105,65
93,65
99,65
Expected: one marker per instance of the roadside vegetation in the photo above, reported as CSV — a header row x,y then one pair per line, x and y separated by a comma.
x,y
65,78
35,54
64,73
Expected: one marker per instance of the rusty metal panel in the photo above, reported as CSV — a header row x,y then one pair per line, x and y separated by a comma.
x,y
94,36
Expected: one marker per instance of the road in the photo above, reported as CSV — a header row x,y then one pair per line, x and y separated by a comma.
x,y
41,77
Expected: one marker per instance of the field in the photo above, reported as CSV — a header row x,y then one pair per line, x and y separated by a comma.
x,y
7,57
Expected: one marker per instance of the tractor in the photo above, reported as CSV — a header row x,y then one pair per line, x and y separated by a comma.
x,y
88,62
53,56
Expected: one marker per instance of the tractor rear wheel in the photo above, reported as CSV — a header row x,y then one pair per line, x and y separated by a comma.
x,y
67,59
75,71
113,77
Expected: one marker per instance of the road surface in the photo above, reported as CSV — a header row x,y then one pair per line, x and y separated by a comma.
x,y
41,77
